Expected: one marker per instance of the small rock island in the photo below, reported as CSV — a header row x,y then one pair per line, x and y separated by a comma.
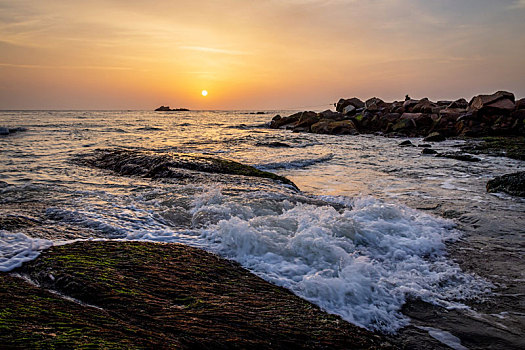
x,y
168,109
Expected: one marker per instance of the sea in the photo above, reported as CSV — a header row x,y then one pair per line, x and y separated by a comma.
x,y
370,227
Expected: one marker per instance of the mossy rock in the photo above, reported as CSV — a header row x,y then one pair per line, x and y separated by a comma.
x,y
147,295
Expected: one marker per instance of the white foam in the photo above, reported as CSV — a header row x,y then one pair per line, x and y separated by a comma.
x,y
361,263
444,337
17,248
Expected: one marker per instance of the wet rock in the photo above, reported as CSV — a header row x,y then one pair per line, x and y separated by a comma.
x,y
423,106
424,145
409,104
428,151
327,126
406,143
349,110
274,144
278,121
459,156
131,295
306,120
435,137
4,131
513,184
168,164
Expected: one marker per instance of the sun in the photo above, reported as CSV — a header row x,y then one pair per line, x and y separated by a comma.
x,y
204,93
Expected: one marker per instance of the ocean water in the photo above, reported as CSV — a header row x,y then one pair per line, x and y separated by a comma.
x,y
365,233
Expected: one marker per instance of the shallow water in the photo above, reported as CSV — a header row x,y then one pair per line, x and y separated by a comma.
x,y
361,237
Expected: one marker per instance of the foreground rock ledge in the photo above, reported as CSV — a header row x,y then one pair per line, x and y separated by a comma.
x,y
148,295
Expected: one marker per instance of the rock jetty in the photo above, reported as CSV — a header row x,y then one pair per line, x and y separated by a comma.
x,y
498,114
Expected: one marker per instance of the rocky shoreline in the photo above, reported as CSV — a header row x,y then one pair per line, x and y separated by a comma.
x,y
498,114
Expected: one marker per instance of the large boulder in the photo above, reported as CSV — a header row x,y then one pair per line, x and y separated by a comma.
x,y
342,127
354,101
349,110
499,102
520,104
461,103
513,184
279,121
307,119
409,104
423,106
328,114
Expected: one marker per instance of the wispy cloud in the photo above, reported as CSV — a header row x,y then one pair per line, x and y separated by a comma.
x,y
39,66
213,50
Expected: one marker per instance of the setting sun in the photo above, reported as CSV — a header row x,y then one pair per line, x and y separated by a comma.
x,y
204,93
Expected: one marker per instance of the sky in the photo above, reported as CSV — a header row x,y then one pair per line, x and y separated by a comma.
x,y
255,54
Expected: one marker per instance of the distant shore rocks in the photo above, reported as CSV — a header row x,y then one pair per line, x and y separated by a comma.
x,y
8,131
513,184
498,114
168,109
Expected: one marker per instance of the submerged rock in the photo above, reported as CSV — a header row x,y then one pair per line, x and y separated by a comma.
x,y
165,164
429,151
459,156
406,143
513,184
435,137
150,295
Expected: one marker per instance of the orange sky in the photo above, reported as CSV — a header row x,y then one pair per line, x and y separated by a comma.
x,y
265,54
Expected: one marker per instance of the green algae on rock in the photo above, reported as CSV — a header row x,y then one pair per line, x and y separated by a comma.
x,y
166,164
144,295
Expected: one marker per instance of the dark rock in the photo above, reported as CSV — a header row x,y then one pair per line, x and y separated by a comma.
x,y
423,106
168,109
274,144
282,121
277,117
306,120
435,137
513,184
349,110
459,156
409,104
328,114
458,104
4,131
374,102
354,101
327,126
428,151
520,104
406,143
158,165
424,145
501,101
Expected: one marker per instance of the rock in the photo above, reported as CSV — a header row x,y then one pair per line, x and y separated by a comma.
x,y
428,151
424,145
435,137
406,143
459,156
375,102
274,144
354,101
142,295
306,120
501,101
423,106
409,104
461,104
513,184
349,110
282,121
328,114
168,109
327,126
520,104
4,131
404,124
